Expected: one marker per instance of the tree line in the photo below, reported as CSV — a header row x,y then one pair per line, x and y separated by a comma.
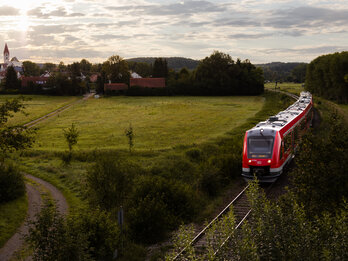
x,y
327,76
217,74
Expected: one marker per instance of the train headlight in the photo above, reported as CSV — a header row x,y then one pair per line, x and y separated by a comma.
x,y
269,161
249,161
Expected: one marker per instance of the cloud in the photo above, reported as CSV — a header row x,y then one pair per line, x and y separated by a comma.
x,y
59,12
307,16
8,11
182,8
249,36
52,29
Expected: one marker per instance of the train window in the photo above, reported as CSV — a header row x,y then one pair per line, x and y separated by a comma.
x,y
287,142
296,133
260,147
303,124
281,150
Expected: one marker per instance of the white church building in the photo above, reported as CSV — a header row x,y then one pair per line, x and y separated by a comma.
x,y
17,65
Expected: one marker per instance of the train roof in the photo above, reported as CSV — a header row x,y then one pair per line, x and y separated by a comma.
x,y
281,119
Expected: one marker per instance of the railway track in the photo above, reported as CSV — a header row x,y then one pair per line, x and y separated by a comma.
x,y
241,211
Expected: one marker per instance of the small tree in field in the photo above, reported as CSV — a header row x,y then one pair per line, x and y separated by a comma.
x,y
130,135
71,135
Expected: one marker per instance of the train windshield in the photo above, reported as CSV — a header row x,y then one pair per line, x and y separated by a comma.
x,y
260,147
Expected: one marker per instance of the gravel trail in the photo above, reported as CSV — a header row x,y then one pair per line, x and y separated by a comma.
x,y
34,205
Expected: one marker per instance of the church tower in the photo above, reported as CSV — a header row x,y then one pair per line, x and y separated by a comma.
x,y
6,54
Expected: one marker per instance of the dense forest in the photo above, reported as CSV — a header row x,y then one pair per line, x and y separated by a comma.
x,y
327,76
175,63
283,72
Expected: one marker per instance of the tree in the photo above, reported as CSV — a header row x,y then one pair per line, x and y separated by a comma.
x,y
11,80
109,181
71,135
160,68
15,137
130,135
116,69
218,74
299,73
326,77
86,234
85,66
31,69
62,67
74,70
48,67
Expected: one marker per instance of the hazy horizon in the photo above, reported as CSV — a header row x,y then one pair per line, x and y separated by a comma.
x,y
262,31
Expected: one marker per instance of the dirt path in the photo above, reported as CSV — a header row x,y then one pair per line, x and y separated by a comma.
x,y
34,205
62,205
55,112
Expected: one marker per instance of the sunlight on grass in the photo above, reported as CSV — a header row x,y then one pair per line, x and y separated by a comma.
x,y
291,87
158,122
37,106
12,214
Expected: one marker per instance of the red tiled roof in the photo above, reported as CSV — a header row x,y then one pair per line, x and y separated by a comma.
x,y
148,82
33,79
115,86
94,77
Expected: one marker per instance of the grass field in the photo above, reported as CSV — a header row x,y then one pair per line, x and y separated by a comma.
x,y
158,122
37,106
294,88
12,214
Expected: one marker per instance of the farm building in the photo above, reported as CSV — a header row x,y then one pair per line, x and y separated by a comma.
x,y
34,79
148,82
115,87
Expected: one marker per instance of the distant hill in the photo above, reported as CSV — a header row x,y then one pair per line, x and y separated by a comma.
x,y
278,71
175,63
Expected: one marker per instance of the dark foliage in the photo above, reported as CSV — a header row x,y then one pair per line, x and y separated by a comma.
x,y
11,80
218,74
175,63
326,77
61,84
11,183
158,205
13,137
109,182
160,68
320,179
31,69
84,235
280,72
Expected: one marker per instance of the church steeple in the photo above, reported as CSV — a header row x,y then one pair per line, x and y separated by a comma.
x,y
6,54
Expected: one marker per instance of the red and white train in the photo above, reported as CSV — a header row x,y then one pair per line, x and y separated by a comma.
x,y
271,144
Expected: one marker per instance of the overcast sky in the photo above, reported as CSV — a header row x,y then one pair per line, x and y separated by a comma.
x,y
259,30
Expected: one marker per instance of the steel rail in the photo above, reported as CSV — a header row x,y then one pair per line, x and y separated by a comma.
x,y
240,223
203,231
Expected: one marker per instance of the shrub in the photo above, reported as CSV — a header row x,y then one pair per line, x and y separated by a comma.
x,y
159,205
109,180
11,183
84,235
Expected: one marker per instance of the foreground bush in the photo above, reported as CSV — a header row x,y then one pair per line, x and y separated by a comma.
x,y
11,183
84,235
159,205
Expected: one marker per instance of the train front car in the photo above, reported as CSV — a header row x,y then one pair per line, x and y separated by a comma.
x,y
260,154
271,144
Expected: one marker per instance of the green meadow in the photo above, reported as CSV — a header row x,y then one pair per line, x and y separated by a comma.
x,y
291,87
37,106
158,122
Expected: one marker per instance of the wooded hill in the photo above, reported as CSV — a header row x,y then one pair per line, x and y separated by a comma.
x,y
175,63
278,71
